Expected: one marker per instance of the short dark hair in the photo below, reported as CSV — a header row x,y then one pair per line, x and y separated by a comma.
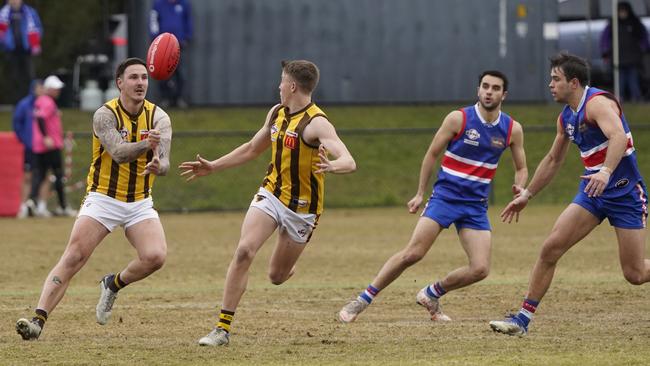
x,y
126,63
496,74
305,73
572,66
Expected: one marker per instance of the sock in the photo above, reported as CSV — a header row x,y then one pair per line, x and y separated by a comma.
x,y
368,295
225,319
40,317
525,314
435,290
115,282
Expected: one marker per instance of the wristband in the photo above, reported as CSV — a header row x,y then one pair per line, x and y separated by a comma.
x,y
526,193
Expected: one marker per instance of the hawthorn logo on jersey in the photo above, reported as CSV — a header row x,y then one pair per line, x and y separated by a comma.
x,y
291,140
124,133
498,142
274,132
144,134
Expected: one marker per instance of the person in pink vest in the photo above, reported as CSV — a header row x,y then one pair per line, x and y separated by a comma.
x,y
47,143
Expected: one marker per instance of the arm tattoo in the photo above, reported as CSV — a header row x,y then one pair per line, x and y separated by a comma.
x,y
163,124
104,126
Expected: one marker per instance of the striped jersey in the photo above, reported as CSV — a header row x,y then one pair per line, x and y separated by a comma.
x,y
472,156
592,144
122,181
290,175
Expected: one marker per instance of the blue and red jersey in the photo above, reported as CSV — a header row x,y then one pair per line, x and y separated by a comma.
x,y
470,161
592,143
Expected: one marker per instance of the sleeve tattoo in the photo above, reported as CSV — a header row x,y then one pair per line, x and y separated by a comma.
x,y
104,126
162,123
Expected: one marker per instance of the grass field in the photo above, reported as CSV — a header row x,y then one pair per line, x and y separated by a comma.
x,y
590,316
388,163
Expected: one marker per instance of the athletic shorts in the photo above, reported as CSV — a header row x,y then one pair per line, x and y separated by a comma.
x,y
627,212
470,215
299,226
29,160
112,213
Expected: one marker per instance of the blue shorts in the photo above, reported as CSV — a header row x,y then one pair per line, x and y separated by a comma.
x,y
470,215
627,212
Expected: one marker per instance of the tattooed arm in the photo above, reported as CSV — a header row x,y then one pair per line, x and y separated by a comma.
x,y
162,123
104,126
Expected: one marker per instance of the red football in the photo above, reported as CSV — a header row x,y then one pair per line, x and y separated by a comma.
x,y
163,56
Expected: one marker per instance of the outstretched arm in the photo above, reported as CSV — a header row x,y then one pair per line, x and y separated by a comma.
x,y
544,173
240,155
450,127
104,126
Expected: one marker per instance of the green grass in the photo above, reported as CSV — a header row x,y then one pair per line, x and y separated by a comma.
x,y
388,162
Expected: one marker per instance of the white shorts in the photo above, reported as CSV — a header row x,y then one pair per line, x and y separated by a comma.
x,y
112,213
298,226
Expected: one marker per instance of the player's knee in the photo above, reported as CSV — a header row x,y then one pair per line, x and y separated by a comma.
x,y
410,257
480,272
244,255
551,252
155,260
74,256
278,278
633,276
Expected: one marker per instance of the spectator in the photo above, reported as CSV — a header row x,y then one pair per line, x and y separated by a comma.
x,y
175,17
20,36
22,125
632,43
47,143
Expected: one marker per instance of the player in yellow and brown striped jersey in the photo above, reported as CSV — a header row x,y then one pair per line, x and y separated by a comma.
x,y
131,146
291,196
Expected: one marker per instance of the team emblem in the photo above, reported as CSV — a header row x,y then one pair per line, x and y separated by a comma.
x,y
124,133
498,142
144,134
570,130
472,134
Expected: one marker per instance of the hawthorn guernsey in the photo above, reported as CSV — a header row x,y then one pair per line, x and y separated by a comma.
x,y
472,157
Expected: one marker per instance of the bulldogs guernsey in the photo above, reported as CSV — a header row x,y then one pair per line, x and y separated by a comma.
x,y
593,146
471,158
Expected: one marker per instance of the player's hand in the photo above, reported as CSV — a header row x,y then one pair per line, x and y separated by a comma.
x,y
597,183
516,190
325,164
48,142
153,167
194,169
153,139
414,204
513,208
